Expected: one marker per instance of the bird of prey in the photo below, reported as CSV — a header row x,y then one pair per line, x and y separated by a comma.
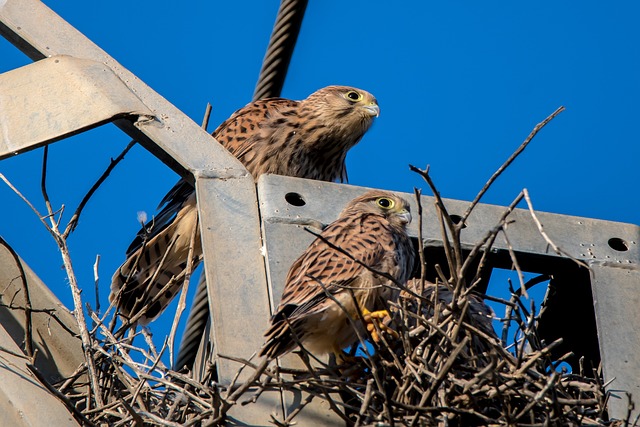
x,y
305,139
351,265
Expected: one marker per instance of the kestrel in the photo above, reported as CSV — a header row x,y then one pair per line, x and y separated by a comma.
x,y
306,139
353,264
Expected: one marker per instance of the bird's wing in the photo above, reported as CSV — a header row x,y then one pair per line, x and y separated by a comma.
x,y
169,207
326,268
232,133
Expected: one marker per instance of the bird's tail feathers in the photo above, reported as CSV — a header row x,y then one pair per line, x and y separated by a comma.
x,y
152,275
279,340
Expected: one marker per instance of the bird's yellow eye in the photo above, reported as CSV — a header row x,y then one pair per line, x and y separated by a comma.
x,y
353,95
385,203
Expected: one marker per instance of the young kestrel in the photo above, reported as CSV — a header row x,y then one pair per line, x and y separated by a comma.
x,y
306,139
478,312
341,273
477,317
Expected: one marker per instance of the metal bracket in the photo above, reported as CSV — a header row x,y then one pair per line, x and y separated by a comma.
x,y
59,97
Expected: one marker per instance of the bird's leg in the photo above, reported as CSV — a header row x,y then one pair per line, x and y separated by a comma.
x,y
342,357
378,321
348,366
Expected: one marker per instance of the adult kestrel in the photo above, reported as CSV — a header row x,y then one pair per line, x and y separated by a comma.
x,y
345,270
306,139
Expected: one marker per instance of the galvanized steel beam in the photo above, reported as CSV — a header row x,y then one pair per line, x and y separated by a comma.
x,y
240,290
23,401
59,97
582,238
173,137
616,295
58,348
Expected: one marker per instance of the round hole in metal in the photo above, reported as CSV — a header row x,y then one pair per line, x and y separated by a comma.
x,y
294,199
618,244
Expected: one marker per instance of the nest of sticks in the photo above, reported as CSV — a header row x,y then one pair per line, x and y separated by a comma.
x,y
445,365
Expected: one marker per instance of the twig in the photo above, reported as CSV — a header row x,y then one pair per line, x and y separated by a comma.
x,y
73,222
207,115
33,208
70,406
185,289
544,235
421,256
96,281
508,162
442,374
75,290
516,265
28,327
43,183
79,314
444,218
233,397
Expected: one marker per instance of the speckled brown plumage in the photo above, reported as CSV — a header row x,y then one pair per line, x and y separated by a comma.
x,y
372,230
306,139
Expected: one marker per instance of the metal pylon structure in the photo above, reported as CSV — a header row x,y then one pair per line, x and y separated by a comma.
x,y
595,311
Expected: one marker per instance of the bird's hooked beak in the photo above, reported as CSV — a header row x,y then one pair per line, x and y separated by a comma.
x,y
372,109
405,216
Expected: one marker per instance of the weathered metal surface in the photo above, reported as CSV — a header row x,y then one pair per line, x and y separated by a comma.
x,y
171,135
610,248
59,353
616,294
23,401
240,289
236,281
234,268
58,97
583,238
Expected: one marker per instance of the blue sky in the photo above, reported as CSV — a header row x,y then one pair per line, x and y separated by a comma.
x,y
460,85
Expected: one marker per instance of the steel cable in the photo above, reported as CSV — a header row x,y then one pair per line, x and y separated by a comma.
x,y
281,44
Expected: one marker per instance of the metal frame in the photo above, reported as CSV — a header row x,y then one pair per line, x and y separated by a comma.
x,y
225,190
607,296
97,90
58,352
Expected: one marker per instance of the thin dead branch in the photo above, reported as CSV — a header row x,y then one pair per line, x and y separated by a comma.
x,y
28,309
508,162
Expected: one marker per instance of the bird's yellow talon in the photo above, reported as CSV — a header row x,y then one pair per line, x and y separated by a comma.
x,y
379,318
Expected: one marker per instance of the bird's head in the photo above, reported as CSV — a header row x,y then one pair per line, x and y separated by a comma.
x,y
392,207
344,108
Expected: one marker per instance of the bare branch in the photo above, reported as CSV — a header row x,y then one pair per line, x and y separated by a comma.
x,y
510,160
555,248
207,115
33,208
185,288
73,222
28,334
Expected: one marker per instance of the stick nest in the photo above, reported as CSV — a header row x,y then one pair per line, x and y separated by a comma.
x,y
444,366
